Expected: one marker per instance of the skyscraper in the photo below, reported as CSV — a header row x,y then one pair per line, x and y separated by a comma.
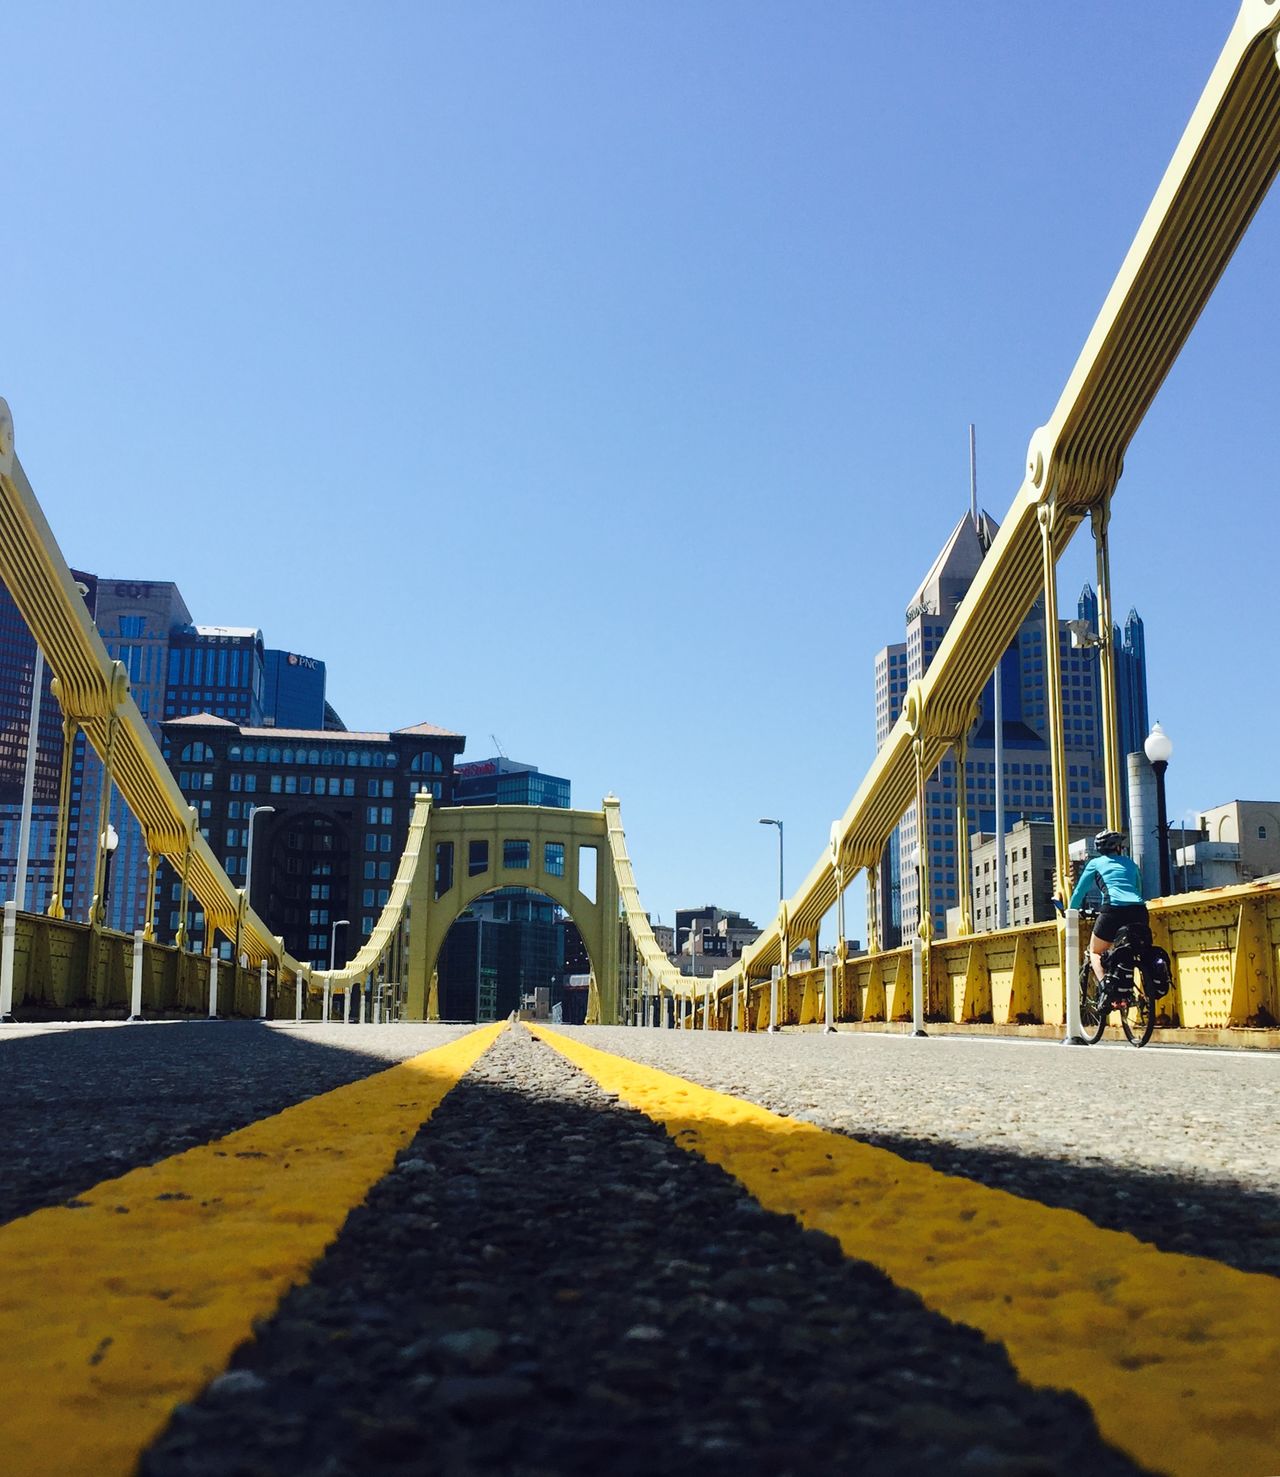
x,y
293,696
1026,771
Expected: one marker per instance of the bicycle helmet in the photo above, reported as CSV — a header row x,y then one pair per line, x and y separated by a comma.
x,y
1109,843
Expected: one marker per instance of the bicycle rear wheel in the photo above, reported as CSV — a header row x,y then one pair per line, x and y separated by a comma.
x,y
1093,1007
1138,1017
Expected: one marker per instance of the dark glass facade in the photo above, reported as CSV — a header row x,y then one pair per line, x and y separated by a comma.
x,y
218,670
503,781
293,691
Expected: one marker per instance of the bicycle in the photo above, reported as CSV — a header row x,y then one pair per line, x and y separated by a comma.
x,y
1135,974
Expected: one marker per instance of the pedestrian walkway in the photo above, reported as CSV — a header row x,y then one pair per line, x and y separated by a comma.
x,y
518,1253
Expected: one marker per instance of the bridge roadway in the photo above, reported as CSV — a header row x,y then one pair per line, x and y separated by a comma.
x,y
430,1248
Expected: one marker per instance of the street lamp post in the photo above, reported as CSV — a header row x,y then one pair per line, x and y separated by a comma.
x,y
110,840
766,821
333,945
254,812
28,780
1158,748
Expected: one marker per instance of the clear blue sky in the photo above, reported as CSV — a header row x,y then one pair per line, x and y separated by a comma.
x,y
599,376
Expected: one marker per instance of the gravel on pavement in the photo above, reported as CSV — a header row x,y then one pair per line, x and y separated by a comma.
x,y
1179,1147
546,1284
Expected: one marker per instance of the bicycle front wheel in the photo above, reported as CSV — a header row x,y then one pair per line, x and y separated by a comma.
x,y
1093,1008
1138,1018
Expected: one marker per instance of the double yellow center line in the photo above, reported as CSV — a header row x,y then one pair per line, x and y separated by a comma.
x,y
1178,1356
114,1310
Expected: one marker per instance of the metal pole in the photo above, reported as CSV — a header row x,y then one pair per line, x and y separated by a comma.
x,y
1162,828
773,999
135,998
213,987
262,990
828,990
1071,984
297,996
733,1015
1002,899
28,782
7,950
917,987
361,1021
706,1008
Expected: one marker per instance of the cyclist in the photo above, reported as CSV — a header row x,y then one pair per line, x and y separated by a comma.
x,y
1120,882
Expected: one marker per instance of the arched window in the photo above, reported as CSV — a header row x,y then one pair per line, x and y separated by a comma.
x,y
233,754
275,756
313,757
288,756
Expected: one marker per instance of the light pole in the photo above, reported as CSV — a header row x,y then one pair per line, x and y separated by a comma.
x,y
1158,748
28,779
110,840
766,821
333,944
254,812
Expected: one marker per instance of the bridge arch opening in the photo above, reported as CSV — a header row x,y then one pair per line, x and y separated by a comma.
x,y
512,948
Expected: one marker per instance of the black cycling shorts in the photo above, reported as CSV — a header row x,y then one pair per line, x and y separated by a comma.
x,y
1111,920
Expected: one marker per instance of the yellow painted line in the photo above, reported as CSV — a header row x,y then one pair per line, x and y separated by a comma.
x,y
112,1314
1178,1356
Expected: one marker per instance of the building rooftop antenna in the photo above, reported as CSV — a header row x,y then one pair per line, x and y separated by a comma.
x,y
498,746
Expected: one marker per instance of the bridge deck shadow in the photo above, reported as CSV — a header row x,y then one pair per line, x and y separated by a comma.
x,y
83,1105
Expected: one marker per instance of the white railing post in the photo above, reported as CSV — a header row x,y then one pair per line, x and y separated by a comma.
x,y
773,998
662,1009
297,996
917,987
7,950
828,993
1071,984
733,1015
213,986
706,1009
262,990
135,994
361,1002
328,999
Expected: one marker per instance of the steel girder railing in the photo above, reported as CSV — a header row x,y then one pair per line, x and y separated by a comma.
x,y
1217,178
93,691
1219,174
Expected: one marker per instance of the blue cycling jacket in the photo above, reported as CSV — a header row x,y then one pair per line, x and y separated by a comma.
x,y
1117,876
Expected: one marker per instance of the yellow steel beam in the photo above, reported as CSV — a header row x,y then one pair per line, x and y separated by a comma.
x,y
1217,178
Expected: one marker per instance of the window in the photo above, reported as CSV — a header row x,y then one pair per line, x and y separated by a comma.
x,y
370,870
348,787
553,858
1262,833
444,867
477,858
515,854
